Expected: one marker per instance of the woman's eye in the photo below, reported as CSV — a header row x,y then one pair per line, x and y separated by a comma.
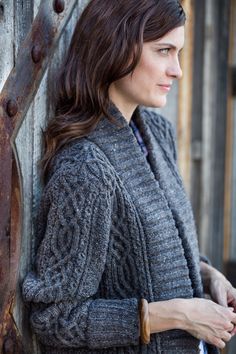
x,y
164,51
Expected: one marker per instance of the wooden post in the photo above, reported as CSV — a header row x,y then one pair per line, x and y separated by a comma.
x,y
21,119
185,98
229,143
214,128
197,111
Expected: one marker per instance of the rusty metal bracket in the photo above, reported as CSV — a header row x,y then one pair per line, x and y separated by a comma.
x,y
15,98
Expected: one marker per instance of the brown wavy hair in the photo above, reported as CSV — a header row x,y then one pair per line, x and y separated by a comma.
x,y
106,45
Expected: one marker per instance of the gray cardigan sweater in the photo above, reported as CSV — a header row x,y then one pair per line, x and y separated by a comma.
x,y
113,228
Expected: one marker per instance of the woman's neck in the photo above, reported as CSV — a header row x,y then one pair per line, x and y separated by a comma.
x,y
126,108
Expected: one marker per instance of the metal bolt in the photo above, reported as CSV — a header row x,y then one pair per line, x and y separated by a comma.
x,y
59,6
12,108
8,346
36,53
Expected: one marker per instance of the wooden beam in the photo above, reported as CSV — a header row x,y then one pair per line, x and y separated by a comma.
x,y
185,98
229,144
15,98
197,111
215,86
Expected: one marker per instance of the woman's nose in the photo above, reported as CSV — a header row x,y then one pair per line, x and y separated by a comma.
x,y
174,70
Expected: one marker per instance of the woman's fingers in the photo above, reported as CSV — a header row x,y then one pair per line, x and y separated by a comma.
x,y
226,336
233,332
219,343
233,318
230,327
214,323
232,298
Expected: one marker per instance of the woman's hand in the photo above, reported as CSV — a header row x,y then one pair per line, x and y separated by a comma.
x,y
218,287
202,318
209,321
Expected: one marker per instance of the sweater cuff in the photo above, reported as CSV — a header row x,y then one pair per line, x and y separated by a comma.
x,y
204,259
113,323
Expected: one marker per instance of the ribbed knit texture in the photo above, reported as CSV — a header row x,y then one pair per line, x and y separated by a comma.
x,y
113,228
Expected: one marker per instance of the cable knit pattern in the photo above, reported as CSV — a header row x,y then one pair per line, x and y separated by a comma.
x,y
113,228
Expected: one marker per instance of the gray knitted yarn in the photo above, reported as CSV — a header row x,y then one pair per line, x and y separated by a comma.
x,y
113,228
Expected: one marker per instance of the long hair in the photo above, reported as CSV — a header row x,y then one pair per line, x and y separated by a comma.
x,y
106,45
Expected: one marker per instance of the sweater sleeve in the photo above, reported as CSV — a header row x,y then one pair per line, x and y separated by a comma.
x,y
66,313
205,259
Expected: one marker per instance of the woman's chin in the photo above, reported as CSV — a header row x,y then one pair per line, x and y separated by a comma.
x,y
160,103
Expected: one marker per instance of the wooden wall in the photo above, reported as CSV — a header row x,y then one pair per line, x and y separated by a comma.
x,y
29,150
230,185
232,114
200,110
16,17
203,110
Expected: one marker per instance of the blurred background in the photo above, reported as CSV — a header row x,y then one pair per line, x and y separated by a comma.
x,y
202,108
203,111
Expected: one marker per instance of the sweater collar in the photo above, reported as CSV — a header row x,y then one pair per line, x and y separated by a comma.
x,y
120,145
141,181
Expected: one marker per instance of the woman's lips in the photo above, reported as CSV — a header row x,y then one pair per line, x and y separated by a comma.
x,y
165,88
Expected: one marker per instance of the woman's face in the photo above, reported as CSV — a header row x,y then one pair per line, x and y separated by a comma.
x,y
153,76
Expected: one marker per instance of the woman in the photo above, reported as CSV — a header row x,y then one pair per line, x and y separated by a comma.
x,y
117,266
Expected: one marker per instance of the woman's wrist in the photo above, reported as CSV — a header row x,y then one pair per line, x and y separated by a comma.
x,y
166,315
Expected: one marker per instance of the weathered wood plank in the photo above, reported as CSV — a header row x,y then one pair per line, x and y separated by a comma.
x,y
214,128
229,148
185,98
209,111
36,4
233,215
25,149
22,21
6,64
232,252
218,194
24,145
6,40
233,209
196,140
29,143
27,146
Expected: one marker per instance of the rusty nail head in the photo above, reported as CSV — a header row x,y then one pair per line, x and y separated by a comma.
x,y
12,108
8,346
36,53
59,6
